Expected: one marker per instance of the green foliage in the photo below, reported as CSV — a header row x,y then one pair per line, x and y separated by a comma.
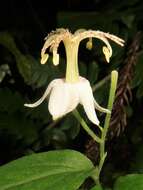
x,y
23,63
66,169
93,71
10,101
96,188
132,181
30,68
71,126
12,118
137,165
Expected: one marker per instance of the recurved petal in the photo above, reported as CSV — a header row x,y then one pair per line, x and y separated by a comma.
x,y
63,99
48,90
87,100
101,109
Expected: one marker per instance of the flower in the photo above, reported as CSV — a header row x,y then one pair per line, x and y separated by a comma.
x,y
66,93
64,98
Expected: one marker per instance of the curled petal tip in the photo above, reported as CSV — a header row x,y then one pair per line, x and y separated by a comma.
x,y
97,123
28,105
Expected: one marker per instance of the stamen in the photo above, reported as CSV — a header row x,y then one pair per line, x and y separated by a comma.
x,y
89,44
106,53
44,58
55,58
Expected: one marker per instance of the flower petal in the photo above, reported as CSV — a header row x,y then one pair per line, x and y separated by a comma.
x,y
63,99
49,88
87,100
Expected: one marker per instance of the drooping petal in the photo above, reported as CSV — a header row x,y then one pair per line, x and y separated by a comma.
x,y
63,99
87,100
49,88
101,109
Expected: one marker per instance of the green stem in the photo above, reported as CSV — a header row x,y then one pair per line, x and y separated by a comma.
x,y
114,78
102,140
85,126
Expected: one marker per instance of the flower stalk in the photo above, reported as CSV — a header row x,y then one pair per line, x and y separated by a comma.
x,y
86,127
103,153
114,79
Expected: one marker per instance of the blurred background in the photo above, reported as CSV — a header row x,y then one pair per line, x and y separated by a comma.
x,y
23,27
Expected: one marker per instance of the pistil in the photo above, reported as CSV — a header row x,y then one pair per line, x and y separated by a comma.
x,y
72,72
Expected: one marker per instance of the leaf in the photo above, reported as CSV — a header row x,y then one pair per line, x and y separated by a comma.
x,y
128,20
23,64
71,125
96,188
4,69
137,165
128,182
10,101
53,170
18,126
31,70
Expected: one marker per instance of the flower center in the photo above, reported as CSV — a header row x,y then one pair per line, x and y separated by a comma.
x,y
71,42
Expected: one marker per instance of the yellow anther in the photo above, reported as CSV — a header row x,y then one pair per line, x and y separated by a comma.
x,y
89,44
44,58
55,59
106,53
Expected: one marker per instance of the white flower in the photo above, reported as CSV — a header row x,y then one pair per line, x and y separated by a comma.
x,y
66,94
64,98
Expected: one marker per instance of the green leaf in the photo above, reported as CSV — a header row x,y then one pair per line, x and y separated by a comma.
x,y
53,170
128,182
97,188
128,20
10,101
71,125
137,165
23,63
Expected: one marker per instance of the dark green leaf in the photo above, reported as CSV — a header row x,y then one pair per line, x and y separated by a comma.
x,y
71,125
23,64
137,165
10,101
93,70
